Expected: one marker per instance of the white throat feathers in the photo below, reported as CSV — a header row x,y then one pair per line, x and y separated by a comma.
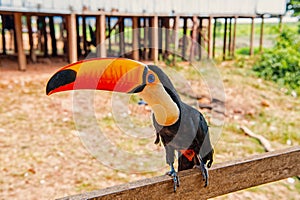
x,y
165,110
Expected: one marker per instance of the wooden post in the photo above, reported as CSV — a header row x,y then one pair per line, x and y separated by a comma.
x,y
225,39
135,39
166,21
45,35
210,33
160,36
3,36
184,38
15,40
175,38
121,36
230,37
193,38
280,23
261,39
84,35
19,39
200,38
224,178
234,37
32,54
146,37
154,35
214,37
53,38
252,37
72,40
79,52
139,38
101,36
109,34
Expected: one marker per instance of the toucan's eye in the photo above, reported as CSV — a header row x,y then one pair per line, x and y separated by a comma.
x,y
151,78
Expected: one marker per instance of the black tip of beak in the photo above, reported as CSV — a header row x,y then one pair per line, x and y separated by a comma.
x,y
60,78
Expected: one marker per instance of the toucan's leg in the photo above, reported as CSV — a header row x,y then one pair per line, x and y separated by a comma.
x,y
203,170
174,174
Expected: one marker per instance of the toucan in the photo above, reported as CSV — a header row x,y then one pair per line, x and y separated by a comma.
x,y
180,127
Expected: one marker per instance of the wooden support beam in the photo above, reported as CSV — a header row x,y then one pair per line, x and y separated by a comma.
x,y
45,35
79,52
154,38
166,22
19,39
261,38
214,38
234,37
121,37
72,39
223,178
3,36
15,39
135,38
32,54
175,38
101,35
84,35
225,39
145,39
109,34
194,38
53,37
252,37
139,37
184,38
230,37
280,23
160,36
210,42
200,37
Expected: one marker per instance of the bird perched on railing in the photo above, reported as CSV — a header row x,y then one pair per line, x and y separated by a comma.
x,y
180,127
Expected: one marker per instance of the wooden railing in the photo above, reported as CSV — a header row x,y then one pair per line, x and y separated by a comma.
x,y
224,178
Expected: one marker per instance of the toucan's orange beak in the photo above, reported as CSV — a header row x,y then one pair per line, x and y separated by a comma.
x,y
112,74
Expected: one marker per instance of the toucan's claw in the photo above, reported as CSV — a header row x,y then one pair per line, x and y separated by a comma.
x,y
175,177
204,172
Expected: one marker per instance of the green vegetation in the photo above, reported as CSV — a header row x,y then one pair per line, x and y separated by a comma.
x,y
281,63
295,6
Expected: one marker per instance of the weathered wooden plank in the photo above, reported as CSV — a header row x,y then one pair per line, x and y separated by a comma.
x,y
19,39
3,36
252,37
210,36
225,39
175,38
214,38
234,37
224,178
52,34
261,38
154,41
135,38
32,54
101,36
184,38
72,39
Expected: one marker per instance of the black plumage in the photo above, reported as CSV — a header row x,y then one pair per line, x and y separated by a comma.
x,y
189,132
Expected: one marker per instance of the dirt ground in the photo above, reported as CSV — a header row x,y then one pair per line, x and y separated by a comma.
x,y
42,156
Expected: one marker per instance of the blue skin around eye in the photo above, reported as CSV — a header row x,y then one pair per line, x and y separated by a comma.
x,y
151,78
